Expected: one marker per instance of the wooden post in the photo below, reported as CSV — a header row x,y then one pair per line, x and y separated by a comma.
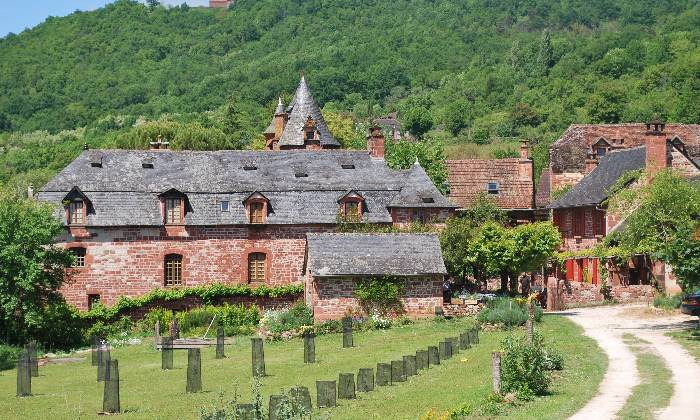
x,y
258,356
24,375
220,343
476,336
530,320
174,328
94,346
455,345
445,349
194,370
347,332
166,353
383,374
433,356
274,406
309,347
464,341
346,386
422,359
365,380
496,371
325,394
409,365
156,334
33,359
103,356
302,396
398,373
110,398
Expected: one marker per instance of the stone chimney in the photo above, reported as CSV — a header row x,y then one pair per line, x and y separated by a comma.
x,y
280,119
160,144
591,163
657,148
375,142
524,149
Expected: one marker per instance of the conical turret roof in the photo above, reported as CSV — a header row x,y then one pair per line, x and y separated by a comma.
x,y
299,110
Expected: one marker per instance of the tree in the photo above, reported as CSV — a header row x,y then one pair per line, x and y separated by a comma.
x,y
682,252
418,121
492,253
152,4
430,154
545,57
456,116
32,268
454,241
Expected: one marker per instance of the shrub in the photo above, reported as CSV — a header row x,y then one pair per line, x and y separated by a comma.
x,y
162,315
669,303
553,360
330,326
508,312
8,356
380,295
523,366
290,319
194,319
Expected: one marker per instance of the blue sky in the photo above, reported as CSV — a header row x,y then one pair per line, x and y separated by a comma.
x,y
17,15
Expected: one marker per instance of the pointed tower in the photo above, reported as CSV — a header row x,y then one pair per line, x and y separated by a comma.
x,y
304,126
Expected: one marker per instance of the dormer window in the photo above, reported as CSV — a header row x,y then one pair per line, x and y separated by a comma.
x,y
601,151
351,206
428,200
601,147
310,135
96,160
147,163
310,129
224,206
257,206
76,212
173,211
347,166
492,188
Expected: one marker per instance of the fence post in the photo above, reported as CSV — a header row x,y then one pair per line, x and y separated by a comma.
x,y
194,370
309,347
258,356
496,371
110,398
347,332
220,343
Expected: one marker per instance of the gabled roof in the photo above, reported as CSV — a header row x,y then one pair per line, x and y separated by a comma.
x,y
419,191
302,106
568,153
397,254
123,193
469,178
594,188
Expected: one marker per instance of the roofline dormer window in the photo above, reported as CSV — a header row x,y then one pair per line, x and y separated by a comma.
x,y
76,204
257,206
351,206
174,207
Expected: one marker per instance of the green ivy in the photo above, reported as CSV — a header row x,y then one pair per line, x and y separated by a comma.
x,y
207,293
380,294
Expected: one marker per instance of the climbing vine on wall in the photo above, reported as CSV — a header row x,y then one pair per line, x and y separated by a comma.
x,y
380,295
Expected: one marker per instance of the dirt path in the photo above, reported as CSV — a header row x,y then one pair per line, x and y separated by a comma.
x,y
606,325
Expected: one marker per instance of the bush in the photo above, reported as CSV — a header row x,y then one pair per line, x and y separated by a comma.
x,y
290,319
553,360
524,367
8,356
508,312
236,319
331,326
669,303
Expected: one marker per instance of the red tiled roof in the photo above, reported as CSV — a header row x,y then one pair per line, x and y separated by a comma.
x,y
568,153
469,178
542,196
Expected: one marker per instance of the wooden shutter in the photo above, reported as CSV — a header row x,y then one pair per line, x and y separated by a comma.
x,y
256,267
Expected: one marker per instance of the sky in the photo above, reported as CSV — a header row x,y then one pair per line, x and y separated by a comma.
x,y
18,15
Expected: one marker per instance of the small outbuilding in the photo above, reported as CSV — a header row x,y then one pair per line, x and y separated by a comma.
x,y
335,263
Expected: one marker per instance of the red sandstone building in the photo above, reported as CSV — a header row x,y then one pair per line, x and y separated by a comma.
x,y
139,220
509,182
582,216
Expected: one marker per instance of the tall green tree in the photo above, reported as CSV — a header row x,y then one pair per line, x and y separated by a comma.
x,y
32,268
545,56
418,121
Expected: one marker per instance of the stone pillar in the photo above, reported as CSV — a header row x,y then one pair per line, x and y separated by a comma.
x,y
347,332
166,353
553,294
258,356
194,370
383,374
24,375
433,356
398,374
346,386
220,343
365,380
325,394
110,398
309,347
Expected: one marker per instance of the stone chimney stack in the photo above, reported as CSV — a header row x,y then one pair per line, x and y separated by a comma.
x,y
524,149
657,148
375,142
591,163
280,119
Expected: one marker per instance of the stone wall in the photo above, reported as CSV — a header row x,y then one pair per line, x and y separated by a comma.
x,y
462,310
130,261
333,297
573,294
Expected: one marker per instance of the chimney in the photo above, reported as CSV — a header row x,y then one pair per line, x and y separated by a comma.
x,y
280,119
159,144
591,163
30,191
375,142
524,149
657,149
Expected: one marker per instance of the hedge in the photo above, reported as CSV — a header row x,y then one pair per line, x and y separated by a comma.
x,y
207,293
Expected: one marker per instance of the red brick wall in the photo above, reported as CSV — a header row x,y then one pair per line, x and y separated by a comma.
x,y
579,227
333,297
129,261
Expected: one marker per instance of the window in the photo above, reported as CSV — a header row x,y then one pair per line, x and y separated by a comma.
x,y
492,188
257,212
419,215
224,206
173,210
600,151
578,221
256,267
173,270
76,214
428,199
598,222
309,135
93,300
79,254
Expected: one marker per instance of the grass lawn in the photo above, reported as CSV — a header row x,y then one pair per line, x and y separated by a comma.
x,y
689,339
71,391
654,390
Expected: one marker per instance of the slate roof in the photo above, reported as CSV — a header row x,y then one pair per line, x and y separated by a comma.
x,y
299,110
397,254
124,193
568,153
469,178
594,188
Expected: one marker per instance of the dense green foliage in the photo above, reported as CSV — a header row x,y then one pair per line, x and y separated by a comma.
x,y
380,295
236,319
292,319
524,366
506,311
31,272
667,302
8,356
464,71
